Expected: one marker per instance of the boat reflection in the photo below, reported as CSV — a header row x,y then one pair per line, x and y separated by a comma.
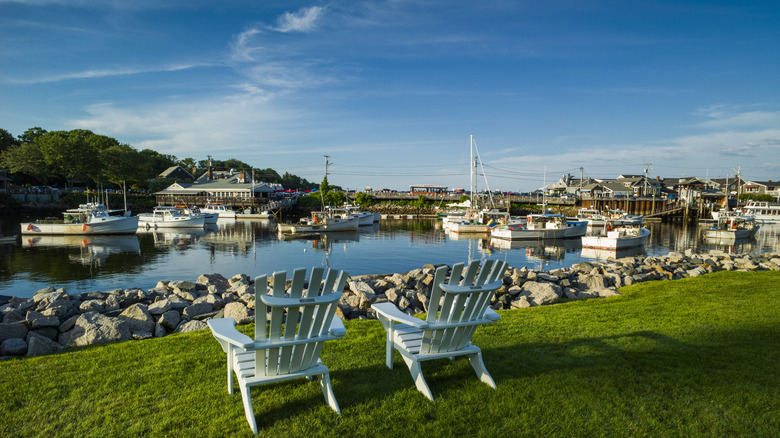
x,y
91,249
600,253
545,250
177,238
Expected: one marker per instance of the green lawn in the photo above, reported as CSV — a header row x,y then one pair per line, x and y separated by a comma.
x,y
694,357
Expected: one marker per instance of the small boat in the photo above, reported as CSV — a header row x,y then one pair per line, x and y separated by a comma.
x,y
222,210
541,226
91,218
194,211
320,222
478,222
768,212
617,236
169,217
732,226
7,239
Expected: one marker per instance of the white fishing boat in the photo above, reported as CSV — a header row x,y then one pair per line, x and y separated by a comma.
x,y
768,212
169,217
221,210
541,226
732,227
617,237
364,218
194,211
320,222
593,217
91,218
479,222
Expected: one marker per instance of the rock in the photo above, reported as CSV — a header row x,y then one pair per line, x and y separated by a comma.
x,y
12,330
591,281
94,328
547,277
217,280
38,345
191,326
236,310
160,307
541,293
46,321
138,318
13,347
196,310
170,319
520,303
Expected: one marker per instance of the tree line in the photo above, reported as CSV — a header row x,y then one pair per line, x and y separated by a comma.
x,y
81,157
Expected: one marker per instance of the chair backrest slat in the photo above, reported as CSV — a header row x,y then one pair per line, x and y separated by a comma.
x,y
296,320
459,308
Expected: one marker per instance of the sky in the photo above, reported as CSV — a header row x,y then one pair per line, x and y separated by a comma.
x,y
392,90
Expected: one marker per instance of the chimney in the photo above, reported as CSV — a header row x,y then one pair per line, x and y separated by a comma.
x,y
243,176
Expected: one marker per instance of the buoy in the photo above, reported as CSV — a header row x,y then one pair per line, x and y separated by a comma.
x,y
29,227
83,227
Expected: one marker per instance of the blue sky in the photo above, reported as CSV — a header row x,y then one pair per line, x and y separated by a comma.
x,y
391,90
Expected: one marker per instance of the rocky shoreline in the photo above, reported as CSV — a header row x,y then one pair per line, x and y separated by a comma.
x,y
54,320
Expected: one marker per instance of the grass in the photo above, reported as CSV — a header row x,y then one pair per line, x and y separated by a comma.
x,y
694,357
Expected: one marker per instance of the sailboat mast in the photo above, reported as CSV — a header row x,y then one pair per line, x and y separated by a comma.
x,y
473,170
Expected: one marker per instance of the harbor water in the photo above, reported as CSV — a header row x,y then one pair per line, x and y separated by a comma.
x,y
252,247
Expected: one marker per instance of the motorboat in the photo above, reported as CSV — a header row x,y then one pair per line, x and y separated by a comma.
x,y
732,226
481,221
169,217
194,211
767,212
90,218
222,210
617,236
541,226
320,222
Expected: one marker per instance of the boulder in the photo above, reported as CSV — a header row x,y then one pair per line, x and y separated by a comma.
x,y
170,319
12,330
138,318
191,326
160,307
38,345
94,328
195,310
236,310
13,347
541,293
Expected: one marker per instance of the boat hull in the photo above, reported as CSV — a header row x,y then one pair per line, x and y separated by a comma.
x,y
615,240
156,222
111,225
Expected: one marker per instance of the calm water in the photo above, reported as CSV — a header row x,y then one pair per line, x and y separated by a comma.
x,y
253,247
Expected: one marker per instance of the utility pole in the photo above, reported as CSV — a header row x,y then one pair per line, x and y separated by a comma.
x,y
739,181
580,191
644,192
326,165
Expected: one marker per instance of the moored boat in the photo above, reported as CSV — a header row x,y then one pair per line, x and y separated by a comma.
x,y
320,222
541,226
617,237
91,218
169,217
732,226
768,212
221,210
194,211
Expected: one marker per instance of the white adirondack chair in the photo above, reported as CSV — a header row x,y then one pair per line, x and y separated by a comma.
x,y
288,338
451,322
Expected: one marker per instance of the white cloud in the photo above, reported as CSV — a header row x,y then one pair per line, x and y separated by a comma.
x,y
727,116
93,74
305,20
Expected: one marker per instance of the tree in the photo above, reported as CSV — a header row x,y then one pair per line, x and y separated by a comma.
x,y
7,140
364,199
121,163
154,163
71,154
31,134
190,165
26,159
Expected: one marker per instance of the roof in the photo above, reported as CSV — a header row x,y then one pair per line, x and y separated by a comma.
x,y
173,170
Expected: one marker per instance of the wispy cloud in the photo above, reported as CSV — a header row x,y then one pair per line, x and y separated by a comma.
x,y
733,116
94,74
304,20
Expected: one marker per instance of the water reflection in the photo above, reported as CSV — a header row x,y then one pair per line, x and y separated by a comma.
x,y
253,247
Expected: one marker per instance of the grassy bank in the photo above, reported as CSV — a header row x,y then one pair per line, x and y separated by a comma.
x,y
694,357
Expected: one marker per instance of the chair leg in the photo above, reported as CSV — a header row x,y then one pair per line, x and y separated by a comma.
x,y
327,390
479,366
417,376
250,413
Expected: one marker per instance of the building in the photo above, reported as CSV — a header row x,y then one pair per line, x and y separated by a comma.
x,y
178,173
224,187
762,188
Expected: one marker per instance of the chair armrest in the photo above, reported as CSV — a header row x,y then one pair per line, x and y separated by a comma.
x,y
337,327
224,329
389,311
453,289
491,314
